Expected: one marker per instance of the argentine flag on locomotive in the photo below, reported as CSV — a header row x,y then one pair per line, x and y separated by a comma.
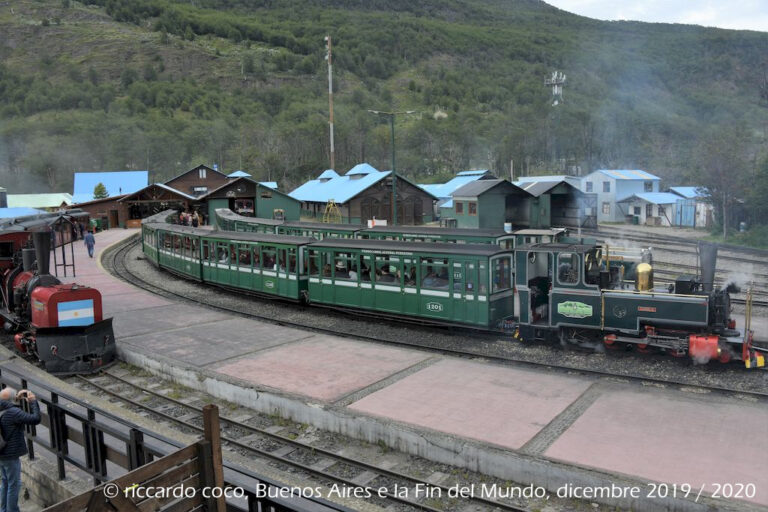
x,y
76,312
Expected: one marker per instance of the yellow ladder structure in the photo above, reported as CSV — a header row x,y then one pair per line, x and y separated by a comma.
x,y
332,214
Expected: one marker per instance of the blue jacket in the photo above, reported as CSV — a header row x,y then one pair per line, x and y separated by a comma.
x,y
12,425
90,241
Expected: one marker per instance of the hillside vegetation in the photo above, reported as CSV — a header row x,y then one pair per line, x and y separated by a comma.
x,y
166,84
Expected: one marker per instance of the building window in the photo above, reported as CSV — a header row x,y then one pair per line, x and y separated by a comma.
x,y
590,186
662,212
638,210
606,208
199,190
266,194
201,172
606,186
649,210
459,207
649,186
473,208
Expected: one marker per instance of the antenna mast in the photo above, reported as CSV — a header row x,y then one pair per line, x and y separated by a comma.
x,y
328,57
556,82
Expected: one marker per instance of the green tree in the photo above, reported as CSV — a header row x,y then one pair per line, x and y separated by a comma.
x,y
723,170
100,191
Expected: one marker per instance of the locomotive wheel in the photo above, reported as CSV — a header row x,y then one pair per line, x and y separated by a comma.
x,y
725,357
643,348
675,353
609,341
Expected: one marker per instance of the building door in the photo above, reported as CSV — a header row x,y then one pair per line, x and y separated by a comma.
x,y
113,219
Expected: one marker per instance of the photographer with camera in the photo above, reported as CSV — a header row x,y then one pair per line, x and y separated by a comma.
x,y
13,444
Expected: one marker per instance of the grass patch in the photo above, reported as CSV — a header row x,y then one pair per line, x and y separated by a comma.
x,y
756,237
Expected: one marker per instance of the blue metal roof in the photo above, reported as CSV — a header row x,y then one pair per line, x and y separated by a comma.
x,y
479,172
653,197
444,190
363,168
239,174
9,213
269,184
340,188
328,174
625,174
117,183
689,192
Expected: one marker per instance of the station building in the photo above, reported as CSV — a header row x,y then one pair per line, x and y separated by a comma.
x,y
365,193
612,186
650,208
559,201
694,208
444,191
490,203
246,197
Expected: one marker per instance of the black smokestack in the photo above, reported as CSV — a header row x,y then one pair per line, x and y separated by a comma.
x,y
42,241
708,263
27,259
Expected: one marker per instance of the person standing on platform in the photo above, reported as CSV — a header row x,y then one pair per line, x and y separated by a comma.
x,y
195,220
90,241
12,421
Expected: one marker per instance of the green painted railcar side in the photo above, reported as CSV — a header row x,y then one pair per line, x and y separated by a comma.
x,y
249,274
463,298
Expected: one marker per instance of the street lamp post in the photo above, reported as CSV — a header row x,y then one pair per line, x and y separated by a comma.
x,y
391,116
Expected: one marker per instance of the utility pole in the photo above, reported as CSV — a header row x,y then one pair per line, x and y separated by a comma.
x,y
328,57
391,116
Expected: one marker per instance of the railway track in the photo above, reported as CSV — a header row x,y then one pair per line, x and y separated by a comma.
x,y
118,266
326,466
674,245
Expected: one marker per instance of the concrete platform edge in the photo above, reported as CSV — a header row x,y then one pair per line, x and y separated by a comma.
x,y
432,445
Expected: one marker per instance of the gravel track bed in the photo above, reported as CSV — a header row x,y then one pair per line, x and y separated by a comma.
x,y
657,366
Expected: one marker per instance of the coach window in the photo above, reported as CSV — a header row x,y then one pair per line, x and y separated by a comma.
x,y
568,268
268,257
244,256
502,274
313,266
434,273
222,253
206,251
6,250
344,266
388,270
292,260
177,244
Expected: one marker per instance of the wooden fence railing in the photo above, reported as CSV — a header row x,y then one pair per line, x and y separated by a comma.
x,y
172,483
113,451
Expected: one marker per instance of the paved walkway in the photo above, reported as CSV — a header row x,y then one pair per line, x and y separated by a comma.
x,y
644,433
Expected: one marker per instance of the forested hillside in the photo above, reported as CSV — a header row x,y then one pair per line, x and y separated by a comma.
x,y
167,84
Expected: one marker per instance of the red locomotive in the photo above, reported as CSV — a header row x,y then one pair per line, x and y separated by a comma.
x,y
61,325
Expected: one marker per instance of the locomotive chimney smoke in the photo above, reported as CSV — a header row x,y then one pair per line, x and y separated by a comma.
x,y
708,264
42,241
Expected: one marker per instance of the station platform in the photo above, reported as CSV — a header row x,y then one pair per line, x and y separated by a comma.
x,y
543,427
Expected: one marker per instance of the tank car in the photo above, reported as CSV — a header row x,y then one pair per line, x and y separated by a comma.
x,y
60,325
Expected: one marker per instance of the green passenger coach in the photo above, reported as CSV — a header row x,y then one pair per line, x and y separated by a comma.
x,y
444,283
